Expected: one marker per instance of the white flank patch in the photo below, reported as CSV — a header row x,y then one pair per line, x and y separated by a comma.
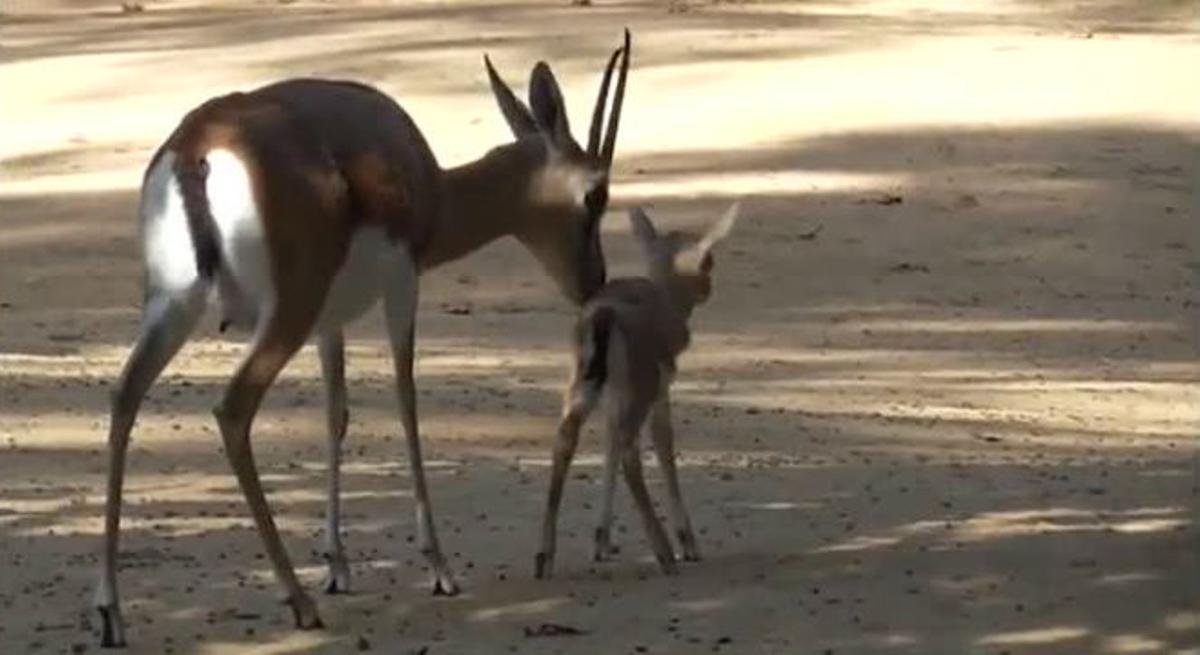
x,y
359,282
243,248
166,241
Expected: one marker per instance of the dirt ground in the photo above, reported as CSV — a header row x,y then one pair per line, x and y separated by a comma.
x,y
944,399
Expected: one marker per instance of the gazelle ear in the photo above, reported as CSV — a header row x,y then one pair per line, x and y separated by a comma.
x,y
520,121
720,229
643,229
545,98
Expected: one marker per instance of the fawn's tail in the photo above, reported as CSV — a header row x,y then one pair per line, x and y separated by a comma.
x,y
594,353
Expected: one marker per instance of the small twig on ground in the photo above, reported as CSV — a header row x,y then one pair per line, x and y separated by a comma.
x,y
909,267
811,235
553,630
882,199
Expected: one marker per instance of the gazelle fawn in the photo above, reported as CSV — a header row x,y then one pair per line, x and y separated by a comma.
x,y
625,344
296,207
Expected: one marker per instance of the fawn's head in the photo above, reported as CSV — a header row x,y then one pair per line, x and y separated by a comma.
x,y
682,266
568,184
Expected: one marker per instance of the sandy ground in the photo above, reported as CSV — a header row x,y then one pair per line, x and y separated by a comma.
x,y
959,418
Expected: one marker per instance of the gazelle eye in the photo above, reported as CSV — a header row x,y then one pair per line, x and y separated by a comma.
x,y
595,201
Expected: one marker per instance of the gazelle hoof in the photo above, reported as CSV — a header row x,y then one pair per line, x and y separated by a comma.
x,y
338,581
335,585
112,632
444,585
687,543
668,565
304,611
603,549
543,566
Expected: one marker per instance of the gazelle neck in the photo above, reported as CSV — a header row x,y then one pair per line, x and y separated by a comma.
x,y
681,299
480,202
674,294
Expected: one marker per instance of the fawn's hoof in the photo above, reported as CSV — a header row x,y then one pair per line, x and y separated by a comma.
x,y
543,566
304,611
112,632
687,543
667,564
603,549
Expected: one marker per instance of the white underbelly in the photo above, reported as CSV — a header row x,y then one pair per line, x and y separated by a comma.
x,y
359,283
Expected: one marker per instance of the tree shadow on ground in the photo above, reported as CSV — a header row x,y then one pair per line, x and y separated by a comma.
x,y
821,557
827,501
1081,233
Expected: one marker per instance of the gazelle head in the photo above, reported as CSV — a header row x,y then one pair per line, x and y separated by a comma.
x,y
681,266
568,186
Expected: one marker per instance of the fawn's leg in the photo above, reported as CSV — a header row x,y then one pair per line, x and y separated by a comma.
x,y
602,546
277,340
626,430
580,400
663,436
625,418
167,320
332,350
400,307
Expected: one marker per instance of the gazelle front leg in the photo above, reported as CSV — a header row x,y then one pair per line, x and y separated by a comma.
x,y
400,307
331,347
273,346
166,323
580,401
663,436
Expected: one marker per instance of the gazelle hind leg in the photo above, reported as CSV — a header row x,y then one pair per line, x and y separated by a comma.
x,y
331,347
663,436
617,373
579,402
400,307
602,545
167,321
274,344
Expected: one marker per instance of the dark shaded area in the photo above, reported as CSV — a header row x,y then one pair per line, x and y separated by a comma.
x,y
1042,211
852,559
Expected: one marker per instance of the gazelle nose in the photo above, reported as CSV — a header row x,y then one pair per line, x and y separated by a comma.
x,y
594,285
595,279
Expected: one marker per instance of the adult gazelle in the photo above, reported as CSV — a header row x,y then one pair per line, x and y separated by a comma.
x,y
294,208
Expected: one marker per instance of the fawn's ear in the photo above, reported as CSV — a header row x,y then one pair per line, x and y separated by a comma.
x,y
643,229
719,230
